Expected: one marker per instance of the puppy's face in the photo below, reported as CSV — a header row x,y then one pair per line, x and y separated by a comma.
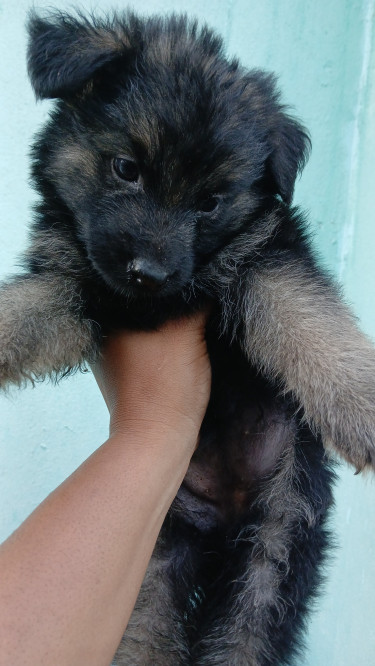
x,y
163,152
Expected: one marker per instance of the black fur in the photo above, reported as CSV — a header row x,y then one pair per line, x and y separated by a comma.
x,y
205,217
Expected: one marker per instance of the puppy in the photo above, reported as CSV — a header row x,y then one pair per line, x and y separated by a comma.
x,y
166,175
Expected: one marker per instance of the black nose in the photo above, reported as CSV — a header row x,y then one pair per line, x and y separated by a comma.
x,y
145,274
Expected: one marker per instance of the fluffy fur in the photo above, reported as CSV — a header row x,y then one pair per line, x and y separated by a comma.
x,y
166,175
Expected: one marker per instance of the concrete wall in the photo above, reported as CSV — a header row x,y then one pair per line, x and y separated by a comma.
x,y
325,57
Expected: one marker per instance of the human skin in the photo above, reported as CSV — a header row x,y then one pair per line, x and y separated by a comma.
x,y
71,573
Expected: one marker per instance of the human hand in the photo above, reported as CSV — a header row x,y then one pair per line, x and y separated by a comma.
x,y
156,378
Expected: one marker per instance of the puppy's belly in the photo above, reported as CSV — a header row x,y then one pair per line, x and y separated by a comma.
x,y
226,472
245,432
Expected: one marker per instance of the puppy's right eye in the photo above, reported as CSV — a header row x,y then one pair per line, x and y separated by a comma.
x,y
126,169
209,204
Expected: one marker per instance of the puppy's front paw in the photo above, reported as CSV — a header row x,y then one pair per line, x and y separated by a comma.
x,y
350,431
338,394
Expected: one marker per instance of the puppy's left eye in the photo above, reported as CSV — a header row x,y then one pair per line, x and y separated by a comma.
x,y
209,205
126,169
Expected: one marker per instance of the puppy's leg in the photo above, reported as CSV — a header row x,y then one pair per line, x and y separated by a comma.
x,y
155,634
273,567
42,330
299,332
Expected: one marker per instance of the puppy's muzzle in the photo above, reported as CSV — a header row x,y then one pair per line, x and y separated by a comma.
x,y
146,275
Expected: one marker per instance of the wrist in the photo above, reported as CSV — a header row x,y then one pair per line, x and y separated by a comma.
x,y
153,456
146,412
158,431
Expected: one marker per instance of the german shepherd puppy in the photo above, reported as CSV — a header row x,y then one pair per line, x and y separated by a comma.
x,y
166,175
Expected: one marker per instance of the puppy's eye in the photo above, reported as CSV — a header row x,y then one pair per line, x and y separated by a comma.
x,y
208,205
126,169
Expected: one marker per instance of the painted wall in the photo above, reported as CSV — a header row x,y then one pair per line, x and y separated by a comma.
x,y
325,57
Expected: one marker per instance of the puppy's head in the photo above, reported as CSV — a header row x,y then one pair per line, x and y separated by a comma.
x,y
161,148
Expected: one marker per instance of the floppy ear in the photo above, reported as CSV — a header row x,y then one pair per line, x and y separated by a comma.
x,y
287,141
65,52
290,147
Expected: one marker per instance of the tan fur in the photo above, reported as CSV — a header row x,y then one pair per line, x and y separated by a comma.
x,y
43,333
111,40
300,332
74,159
73,168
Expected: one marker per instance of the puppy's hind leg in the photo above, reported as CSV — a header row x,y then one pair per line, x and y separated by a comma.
x,y
257,613
42,330
156,634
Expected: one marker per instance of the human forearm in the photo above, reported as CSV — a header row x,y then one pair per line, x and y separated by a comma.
x,y
72,607
71,573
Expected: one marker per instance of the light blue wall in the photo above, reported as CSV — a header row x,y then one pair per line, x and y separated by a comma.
x,y
324,54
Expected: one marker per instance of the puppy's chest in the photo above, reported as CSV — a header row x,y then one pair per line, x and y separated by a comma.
x,y
246,429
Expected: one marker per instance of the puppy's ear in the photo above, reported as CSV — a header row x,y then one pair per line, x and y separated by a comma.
x,y
65,52
290,147
287,141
